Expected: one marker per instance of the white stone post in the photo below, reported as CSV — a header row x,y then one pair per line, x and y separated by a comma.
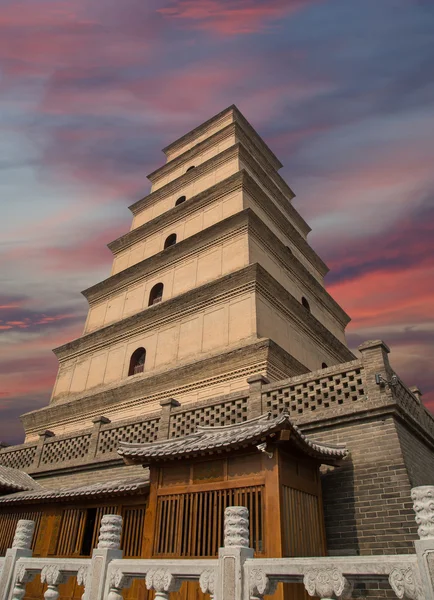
x,y
230,580
423,506
109,543
20,548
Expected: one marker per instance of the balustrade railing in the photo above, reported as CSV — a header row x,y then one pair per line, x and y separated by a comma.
x,y
234,575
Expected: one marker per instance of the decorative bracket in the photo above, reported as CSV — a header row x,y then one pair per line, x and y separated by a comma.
x,y
207,582
260,585
403,583
327,583
163,582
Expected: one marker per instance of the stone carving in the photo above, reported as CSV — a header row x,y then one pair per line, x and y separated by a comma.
x,y
163,582
118,582
403,583
260,585
327,583
237,526
110,532
53,576
423,506
23,534
82,575
23,577
207,581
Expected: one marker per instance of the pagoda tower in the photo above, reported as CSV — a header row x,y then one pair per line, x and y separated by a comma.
x,y
214,283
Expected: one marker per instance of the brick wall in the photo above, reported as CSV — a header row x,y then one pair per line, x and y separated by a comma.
x,y
418,457
367,504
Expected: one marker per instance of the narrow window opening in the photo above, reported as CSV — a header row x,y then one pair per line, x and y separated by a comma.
x,y
137,362
180,200
190,168
289,249
156,294
305,303
324,365
89,526
170,241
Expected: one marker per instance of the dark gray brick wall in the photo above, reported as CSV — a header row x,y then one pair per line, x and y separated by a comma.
x,y
367,504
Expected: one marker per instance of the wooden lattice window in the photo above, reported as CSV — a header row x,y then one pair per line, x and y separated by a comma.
x,y
191,524
79,529
132,531
8,524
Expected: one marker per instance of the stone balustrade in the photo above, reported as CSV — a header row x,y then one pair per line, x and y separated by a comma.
x,y
234,575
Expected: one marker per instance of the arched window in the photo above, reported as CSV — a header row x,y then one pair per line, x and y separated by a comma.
x,y
170,241
305,303
137,361
324,366
289,249
180,200
156,294
190,168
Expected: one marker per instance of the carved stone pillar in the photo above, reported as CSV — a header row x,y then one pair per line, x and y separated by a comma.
x,y
254,407
230,581
162,582
20,549
109,543
423,506
164,423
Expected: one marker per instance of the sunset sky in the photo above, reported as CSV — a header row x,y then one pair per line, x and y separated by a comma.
x,y
91,90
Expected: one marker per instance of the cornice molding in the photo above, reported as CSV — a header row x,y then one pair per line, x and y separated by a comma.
x,y
243,136
242,152
292,264
187,178
186,248
292,309
237,117
133,392
220,189
163,313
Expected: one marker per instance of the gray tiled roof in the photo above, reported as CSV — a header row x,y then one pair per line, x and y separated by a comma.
x,y
207,440
14,480
123,486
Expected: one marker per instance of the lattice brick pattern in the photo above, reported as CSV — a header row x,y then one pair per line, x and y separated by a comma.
x,y
65,450
109,439
18,459
227,413
317,394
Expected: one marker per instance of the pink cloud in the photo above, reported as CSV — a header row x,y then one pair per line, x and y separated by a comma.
x,y
381,298
231,18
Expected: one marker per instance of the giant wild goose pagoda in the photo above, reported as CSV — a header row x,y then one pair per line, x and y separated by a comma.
x,y
214,371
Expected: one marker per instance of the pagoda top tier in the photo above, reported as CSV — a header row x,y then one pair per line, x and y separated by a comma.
x,y
223,119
